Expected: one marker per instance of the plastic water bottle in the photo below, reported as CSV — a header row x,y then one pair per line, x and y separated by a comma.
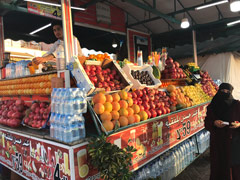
x,y
81,126
56,127
57,100
61,100
188,151
52,124
61,63
53,99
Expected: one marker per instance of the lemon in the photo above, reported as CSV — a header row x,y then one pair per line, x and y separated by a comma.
x,y
83,171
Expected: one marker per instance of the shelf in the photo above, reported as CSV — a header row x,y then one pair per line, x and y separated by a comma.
x,y
33,75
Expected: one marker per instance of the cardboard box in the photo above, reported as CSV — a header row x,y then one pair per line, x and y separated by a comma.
x,y
57,82
83,80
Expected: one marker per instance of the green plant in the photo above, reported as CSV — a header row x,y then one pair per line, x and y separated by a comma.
x,y
111,161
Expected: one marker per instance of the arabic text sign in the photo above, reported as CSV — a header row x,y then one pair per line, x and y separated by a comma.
x,y
32,158
152,138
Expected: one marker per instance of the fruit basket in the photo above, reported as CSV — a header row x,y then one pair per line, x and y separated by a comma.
x,y
141,76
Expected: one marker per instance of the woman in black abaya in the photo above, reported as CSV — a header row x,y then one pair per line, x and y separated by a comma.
x,y
224,139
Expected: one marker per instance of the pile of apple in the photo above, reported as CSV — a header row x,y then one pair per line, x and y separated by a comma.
x,y
152,101
172,70
108,79
37,115
12,112
208,85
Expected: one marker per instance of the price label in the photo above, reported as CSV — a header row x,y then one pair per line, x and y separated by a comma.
x,y
184,130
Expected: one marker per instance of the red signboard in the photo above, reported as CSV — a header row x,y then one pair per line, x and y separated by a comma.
x,y
89,17
152,138
82,167
34,158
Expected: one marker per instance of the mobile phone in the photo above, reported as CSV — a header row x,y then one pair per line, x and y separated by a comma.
x,y
225,123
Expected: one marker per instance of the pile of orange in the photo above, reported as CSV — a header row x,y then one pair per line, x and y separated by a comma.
x,y
177,97
98,57
117,109
38,85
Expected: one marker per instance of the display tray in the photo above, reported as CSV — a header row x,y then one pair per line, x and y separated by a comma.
x,y
33,75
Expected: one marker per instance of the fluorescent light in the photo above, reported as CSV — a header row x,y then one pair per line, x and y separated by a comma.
x,y
37,30
185,23
78,8
212,4
234,22
54,4
235,5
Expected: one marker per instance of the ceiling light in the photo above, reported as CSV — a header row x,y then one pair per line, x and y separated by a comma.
x,y
114,44
41,28
234,22
212,4
235,5
54,4
185,23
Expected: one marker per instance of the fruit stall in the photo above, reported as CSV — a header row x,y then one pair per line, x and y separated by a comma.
x,y
129,105
52,123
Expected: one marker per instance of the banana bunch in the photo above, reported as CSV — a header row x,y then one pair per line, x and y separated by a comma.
x,y
192,64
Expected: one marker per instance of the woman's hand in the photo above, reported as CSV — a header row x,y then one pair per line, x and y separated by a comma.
x,y
235,125
219,123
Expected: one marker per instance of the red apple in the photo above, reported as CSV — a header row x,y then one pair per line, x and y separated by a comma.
x,y
146,106
148,113
159,112
153,113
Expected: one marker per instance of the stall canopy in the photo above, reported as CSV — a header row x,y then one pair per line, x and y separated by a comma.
x,y
159,18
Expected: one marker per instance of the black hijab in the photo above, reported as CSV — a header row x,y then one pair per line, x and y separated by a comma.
x,y
222,102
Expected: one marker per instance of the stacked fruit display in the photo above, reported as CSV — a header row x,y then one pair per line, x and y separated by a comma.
x,y
12,112
196,94
39,85
37,115
178,98
108,79
208,86
152,101
98,57
117,110
172,70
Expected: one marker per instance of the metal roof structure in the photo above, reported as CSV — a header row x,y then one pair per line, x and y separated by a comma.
x,y
160,18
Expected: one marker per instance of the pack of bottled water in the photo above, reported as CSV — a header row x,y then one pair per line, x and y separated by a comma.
x,y
67,108
10,70
169,164
203,140
21,68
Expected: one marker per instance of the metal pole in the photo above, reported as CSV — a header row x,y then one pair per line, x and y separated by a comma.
x,y
194,47
1,41
67,34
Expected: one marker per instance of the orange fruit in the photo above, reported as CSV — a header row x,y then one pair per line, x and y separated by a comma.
x,y
130,101
108,125
143,115
99,108
171,88
109,98
123,112
115,115
115,106
131,119
130,111
136,108
108,106
99,98
116,97
137,118
123,120
123,104
106,116
123,94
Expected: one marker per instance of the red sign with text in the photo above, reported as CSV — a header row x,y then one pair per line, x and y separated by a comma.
x,y
34,159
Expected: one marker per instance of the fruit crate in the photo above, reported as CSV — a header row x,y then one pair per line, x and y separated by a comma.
x,y
136,83
84,81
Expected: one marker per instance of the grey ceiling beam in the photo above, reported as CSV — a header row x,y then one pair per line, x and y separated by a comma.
x,y
219,13
172,13
131,16
169,25
187,12
12,7
152,10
